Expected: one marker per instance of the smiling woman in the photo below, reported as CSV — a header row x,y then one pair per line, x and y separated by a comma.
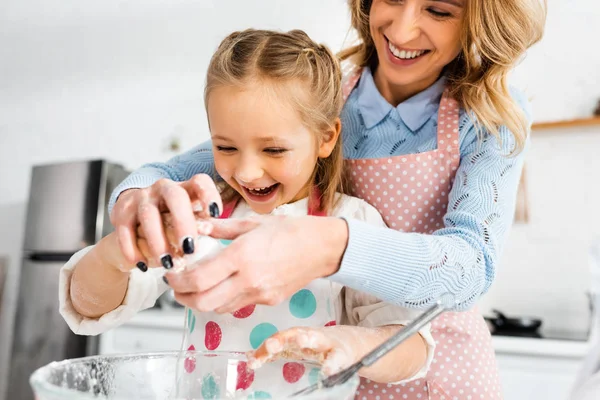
x,y
476,43
422,37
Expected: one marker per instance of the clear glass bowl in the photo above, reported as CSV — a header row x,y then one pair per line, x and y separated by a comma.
x,y
195,375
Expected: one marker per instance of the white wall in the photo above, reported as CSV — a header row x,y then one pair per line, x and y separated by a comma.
x,y
545,268
117,79
562,73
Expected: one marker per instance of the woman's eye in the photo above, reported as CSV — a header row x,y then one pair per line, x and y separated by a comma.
x,y
438,13
275,150
226,149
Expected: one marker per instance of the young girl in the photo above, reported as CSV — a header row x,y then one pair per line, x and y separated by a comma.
x,y
272,101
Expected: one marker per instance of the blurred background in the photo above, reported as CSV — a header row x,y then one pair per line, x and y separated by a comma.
x,y
121,82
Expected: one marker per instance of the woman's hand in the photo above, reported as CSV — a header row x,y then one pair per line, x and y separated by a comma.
x,y
143,207
321,345
270,259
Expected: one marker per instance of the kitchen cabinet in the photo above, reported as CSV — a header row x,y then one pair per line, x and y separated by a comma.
x,y
147,332
532,368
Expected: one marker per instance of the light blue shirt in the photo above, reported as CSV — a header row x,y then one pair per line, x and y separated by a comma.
x,y
393,265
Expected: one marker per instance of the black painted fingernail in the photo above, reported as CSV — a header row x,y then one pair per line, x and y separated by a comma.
x,y
142,266
188,245
165,280
213,208
167,261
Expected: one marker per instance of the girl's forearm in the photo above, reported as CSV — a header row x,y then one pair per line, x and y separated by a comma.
x,y
401,363
99,281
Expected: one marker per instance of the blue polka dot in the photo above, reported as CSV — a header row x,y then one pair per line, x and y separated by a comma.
x,y
303,304
225,242
210,389
260,333
259,395
314,375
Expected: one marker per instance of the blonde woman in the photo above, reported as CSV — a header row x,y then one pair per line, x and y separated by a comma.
x,y
446,190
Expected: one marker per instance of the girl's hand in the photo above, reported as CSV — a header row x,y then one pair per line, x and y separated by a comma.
x,y
143,207
320,345
178,256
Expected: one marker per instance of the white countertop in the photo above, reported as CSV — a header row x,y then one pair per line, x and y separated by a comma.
x,y
540,347
174,319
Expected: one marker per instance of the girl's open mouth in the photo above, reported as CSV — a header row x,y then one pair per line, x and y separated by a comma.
x,y
261,194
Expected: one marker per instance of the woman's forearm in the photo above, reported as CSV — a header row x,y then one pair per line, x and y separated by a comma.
x,y
403,268
99,281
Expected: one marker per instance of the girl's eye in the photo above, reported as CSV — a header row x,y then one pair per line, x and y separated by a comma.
x,y
275,150
438,13
226,149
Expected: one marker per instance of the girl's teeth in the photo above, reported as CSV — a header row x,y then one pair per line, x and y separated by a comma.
x,y
403,54
261,191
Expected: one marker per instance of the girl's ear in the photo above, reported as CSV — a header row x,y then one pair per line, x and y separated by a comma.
x,y
330,138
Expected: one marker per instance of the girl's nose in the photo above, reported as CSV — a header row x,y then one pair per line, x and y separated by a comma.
x,y
249,170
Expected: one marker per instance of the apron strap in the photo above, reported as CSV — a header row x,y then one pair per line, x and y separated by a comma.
x,y
350,76
314,203
228,208
448,120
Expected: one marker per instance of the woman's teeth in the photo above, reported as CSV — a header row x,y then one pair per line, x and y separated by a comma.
x,y
403,54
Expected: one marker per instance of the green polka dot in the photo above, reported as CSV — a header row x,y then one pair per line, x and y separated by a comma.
x,y
226,242
210,389
259,395
303,304
260,333
191,320
314,375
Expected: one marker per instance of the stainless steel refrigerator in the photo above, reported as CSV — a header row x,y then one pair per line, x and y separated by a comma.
x,y
66,212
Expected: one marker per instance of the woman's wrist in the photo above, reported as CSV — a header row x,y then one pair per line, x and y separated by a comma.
x,y
333,238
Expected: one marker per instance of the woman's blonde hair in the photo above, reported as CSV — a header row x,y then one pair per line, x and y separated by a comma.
x,y
495,35
293,60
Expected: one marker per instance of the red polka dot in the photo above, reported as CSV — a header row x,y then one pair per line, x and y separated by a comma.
x,y
331,323
293,371
245,376
213,335
245,312
190,362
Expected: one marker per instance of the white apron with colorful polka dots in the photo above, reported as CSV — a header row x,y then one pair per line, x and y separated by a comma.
x,y
247,328
411,193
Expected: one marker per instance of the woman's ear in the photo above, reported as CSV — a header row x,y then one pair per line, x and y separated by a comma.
x,y
330,138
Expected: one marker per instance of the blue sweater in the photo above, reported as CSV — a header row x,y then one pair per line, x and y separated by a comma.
x,y
392,265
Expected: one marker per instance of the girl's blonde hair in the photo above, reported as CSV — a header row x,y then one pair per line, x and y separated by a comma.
x,y
294,60
495,35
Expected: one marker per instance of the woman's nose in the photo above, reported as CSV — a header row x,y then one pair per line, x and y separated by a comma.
x,y
406,27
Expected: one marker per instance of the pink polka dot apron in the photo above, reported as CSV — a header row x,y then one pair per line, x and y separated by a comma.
x,y
411,193
248,327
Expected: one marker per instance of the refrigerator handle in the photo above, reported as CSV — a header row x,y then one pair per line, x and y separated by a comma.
x,y
101,202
